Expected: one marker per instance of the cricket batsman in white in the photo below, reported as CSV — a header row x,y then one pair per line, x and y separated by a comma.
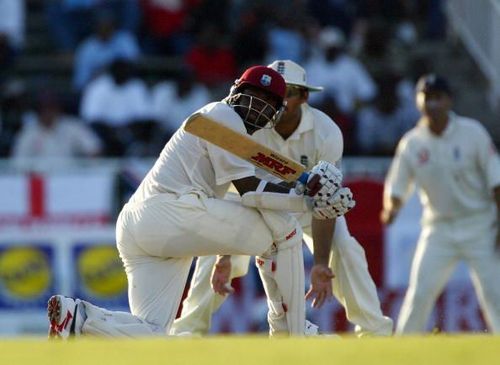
x,y
455,166
307,135
178,212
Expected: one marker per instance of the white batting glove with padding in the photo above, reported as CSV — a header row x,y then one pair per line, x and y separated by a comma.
x,y
338,204
330,179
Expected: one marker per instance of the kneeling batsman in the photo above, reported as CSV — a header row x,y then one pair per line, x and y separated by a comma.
x,y
323,195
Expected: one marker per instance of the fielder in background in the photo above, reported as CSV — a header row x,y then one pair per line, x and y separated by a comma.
x,y
456,168
178,212
306,135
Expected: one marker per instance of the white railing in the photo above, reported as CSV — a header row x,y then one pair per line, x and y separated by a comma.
x,y
477,23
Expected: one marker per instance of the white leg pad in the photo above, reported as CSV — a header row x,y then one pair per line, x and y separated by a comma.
x,y
282,274
104,323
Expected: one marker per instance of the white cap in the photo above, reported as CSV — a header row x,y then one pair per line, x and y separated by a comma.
x,y
331,37
293,74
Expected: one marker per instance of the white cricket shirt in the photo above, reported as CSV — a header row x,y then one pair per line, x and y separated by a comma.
x,y
455,172
190,164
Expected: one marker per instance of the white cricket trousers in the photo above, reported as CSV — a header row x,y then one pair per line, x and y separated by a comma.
x,y
157,240
440,247
352,286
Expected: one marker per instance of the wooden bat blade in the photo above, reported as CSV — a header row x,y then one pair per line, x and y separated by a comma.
x,y
244,147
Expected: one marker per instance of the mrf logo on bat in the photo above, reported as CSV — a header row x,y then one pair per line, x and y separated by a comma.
x,y
274,162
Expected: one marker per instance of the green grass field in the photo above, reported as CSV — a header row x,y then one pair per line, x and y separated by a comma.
x,y
428,350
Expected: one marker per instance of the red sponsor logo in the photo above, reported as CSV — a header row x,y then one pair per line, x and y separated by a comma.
x,y
273,163
291,234
260,262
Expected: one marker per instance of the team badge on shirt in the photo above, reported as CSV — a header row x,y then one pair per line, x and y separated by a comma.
x,y
281,67
304,160
423,156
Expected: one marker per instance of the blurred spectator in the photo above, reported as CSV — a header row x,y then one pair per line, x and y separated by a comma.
x,y
14,112
174,101
216,12
381,125
68,20
100,49
345,79
6,58
52,138
435,18
113,102
164,26
12,22
285,40
211,58
333,13
381,50
249,39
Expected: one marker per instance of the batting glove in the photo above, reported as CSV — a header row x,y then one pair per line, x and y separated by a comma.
x,y
339,204
330,180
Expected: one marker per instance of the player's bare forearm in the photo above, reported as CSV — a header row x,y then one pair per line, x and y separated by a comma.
x,y
251,183
322,234
221,275
392,205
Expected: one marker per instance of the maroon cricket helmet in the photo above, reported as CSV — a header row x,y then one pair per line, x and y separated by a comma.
x,y
264,78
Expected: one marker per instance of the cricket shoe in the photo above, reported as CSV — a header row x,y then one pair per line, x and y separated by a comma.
x,y
311,329
65,317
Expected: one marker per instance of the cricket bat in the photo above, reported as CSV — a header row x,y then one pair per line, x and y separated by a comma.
x,y
246,148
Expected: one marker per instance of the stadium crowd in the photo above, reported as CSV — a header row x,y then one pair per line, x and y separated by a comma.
x,y
360,51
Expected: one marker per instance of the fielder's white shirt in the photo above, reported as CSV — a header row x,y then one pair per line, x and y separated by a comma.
x,y
455,172
316,138
190,164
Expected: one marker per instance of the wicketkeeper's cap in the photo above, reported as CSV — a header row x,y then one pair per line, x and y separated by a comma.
x,y
432,82
264,78
293,74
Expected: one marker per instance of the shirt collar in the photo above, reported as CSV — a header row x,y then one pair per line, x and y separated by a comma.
x,y
450,127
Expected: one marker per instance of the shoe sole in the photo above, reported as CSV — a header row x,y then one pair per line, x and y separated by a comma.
x,y
55,308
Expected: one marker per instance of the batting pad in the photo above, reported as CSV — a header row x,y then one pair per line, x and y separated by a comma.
x,y
282,275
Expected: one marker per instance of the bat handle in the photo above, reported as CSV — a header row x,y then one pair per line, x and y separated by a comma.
x,y
303,178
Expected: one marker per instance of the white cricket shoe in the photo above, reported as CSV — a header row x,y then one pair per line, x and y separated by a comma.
x,y
65,318
311,329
